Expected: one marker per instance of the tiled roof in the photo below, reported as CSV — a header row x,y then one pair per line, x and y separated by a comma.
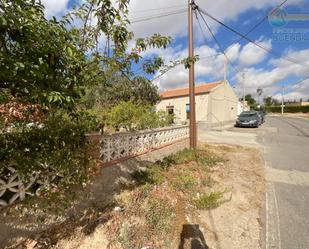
x,y
182,92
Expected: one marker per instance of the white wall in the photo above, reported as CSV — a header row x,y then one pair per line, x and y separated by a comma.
x,y
222,104
217,107
201,102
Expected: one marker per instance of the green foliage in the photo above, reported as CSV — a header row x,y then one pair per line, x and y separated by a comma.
x,y
269,101
152,175
133,116
189,61
209,201
55,149
202,157
119,88
184,156
38,56
250,100
288,109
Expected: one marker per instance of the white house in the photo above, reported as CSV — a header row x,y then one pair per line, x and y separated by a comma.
x,y
216,104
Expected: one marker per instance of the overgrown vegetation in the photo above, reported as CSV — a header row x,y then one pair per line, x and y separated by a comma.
x,y
54,148
167,189
131,116
57,81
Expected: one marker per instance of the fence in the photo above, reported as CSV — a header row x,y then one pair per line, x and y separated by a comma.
x,y
122,145
112,147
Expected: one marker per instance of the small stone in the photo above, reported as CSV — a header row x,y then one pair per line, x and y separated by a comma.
x,y
118,209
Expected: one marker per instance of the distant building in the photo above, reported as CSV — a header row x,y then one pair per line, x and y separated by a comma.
x,y
216,104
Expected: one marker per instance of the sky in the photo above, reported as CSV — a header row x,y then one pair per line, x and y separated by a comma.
x,y
249,66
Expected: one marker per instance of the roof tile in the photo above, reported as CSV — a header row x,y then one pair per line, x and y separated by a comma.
x,y
182,92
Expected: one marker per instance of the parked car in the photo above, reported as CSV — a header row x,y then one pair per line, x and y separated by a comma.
x,y
248,119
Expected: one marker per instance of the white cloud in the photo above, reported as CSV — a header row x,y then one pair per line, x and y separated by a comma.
x,y
251,54
271,80
55,7
176,25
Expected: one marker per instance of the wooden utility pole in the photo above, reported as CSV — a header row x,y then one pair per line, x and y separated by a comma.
x,y
244,93
193,135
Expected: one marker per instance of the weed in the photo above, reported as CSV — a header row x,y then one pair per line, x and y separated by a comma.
x,y
185,156
209,159
152,175
210,201
166,162
184,183
159,215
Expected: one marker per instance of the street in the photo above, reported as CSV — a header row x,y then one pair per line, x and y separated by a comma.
x,y
287,168
284,142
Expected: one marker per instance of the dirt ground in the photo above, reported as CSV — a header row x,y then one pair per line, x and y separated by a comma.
x,y
234,224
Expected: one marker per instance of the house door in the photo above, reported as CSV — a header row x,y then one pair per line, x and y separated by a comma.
x,y
170,111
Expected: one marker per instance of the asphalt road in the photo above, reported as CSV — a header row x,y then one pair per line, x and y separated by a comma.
x,y
284,142
286,151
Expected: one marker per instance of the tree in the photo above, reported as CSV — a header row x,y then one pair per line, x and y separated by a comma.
x,y
39,59
53,62
250,100
138,90
132,116
269,101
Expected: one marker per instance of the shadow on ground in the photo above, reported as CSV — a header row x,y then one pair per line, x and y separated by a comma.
x,y
192,237
47,226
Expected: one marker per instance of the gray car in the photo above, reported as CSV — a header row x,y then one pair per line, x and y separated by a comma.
x,y
248,119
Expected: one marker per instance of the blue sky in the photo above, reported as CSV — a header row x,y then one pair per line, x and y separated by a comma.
x,y
262,70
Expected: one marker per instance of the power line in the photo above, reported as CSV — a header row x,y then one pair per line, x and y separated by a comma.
x,y
204,35
250,40
255,26
155,9
217,42
157,16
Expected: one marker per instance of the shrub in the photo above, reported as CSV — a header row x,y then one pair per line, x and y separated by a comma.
x,y
288,109
133,116
55,150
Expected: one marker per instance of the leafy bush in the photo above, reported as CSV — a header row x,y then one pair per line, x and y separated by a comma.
x,y
54,149
133,116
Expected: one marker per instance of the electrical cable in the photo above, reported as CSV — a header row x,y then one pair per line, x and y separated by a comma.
x,y
155,9
218,43
250,40
157,16
255,26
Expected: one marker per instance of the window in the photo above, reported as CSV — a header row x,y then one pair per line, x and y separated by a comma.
x,y
170,110
188,111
